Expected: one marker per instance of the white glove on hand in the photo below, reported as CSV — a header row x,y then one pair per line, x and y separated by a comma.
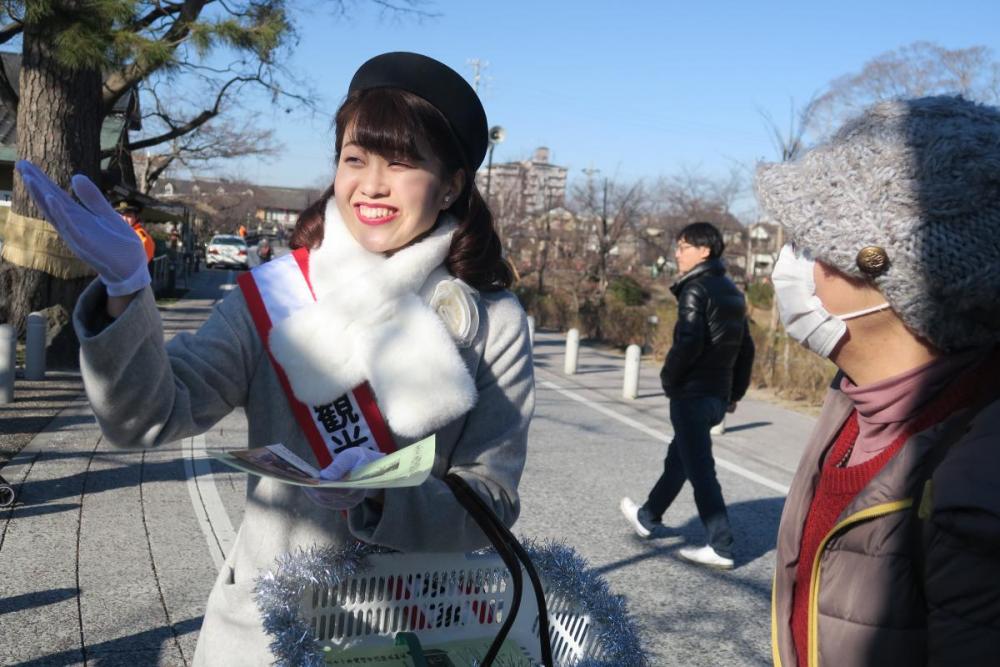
x,y
343,464
95,232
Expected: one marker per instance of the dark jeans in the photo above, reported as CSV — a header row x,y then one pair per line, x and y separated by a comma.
x,y
689,457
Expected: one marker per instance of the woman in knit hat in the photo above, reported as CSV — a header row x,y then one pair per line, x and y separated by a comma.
x,y
889,546
390,321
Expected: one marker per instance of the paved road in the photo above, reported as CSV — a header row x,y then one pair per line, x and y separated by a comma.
x,y
109,557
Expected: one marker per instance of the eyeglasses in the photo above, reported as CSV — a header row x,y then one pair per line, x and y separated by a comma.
x,y
682,246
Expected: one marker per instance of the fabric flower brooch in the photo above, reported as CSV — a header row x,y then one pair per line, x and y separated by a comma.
x,y
455,303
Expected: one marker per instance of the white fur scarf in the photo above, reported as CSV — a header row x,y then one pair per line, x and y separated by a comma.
x,y
369,323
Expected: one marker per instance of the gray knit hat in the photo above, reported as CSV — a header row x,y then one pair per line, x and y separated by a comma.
x,y
920,180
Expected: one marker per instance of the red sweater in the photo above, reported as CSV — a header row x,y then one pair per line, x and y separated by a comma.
x,y
836,489
839,485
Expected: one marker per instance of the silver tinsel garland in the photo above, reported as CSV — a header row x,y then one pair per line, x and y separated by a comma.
x,y
566,574
279,593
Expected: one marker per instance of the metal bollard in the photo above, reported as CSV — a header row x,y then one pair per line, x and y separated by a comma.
x,y
633,355
572,351
34,353
8,363
719,429
531,330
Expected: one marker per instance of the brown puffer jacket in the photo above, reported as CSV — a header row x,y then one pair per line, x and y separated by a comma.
x,y
910,573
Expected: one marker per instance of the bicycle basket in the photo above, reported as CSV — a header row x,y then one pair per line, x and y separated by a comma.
x,y
322,607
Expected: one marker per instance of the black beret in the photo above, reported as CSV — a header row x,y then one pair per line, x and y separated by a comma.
x,y
440,85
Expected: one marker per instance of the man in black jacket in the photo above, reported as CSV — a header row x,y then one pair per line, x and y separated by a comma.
x,y
706,373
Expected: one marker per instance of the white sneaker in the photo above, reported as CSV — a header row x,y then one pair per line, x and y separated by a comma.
x,y
707,556
631,511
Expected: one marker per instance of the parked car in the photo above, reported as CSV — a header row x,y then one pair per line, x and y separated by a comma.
x,y
227,250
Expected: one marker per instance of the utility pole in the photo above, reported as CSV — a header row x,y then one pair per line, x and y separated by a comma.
x,y
773,323
604,210
478,67
590,172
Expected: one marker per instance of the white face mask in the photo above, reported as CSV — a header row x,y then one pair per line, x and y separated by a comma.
x,y
801,311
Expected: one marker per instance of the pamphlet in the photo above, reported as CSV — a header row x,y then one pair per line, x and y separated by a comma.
x,y
451,654
408,466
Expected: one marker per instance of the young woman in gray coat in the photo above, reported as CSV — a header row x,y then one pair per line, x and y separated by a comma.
x,y
410,297
888,551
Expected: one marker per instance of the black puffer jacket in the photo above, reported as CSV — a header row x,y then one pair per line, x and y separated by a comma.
x,y
712,354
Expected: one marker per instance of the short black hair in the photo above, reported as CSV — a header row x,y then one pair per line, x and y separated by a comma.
x,y
703,235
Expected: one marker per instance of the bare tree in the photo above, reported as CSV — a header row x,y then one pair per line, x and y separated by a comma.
x,y
692,196
689,195
222,139
789,143
608,212
915,70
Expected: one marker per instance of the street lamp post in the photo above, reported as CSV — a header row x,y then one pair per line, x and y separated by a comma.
x,y
497,135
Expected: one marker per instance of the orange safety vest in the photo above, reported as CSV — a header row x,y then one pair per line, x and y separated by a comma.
x,y
147,241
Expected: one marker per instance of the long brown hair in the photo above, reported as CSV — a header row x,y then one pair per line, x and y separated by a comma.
x,y
386,121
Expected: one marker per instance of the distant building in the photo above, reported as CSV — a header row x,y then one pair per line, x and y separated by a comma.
x,y
235,202
762,250
525,188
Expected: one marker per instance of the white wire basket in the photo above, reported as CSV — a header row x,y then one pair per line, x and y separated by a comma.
x,y
453,603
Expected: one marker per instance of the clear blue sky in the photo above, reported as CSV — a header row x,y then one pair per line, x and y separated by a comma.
x,y
636,89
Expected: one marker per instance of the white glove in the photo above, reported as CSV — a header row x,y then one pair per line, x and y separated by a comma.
x,y
95,232
343,464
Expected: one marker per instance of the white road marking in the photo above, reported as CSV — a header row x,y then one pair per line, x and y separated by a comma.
x,y
208,508
661,436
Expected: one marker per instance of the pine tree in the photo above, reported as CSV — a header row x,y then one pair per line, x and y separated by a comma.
x,y
78,58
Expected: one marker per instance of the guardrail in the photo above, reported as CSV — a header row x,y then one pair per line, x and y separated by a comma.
x,y
170,272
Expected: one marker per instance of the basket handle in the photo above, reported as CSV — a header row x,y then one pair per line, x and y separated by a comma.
x,y
510,551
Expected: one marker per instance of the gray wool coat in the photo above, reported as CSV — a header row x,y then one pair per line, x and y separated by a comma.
x,y
145,394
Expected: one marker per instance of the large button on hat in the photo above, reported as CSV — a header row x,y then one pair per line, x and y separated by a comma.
x,y
440,85
873,261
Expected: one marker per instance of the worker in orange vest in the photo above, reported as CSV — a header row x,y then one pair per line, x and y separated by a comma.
x,y
243,231
130,213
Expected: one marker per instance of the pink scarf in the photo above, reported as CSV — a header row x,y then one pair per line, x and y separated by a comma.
x,y
886,407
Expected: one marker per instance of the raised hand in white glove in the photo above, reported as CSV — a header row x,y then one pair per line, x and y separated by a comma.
x,y
94,231
343,464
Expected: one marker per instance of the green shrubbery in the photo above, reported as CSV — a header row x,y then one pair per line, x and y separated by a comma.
x,y
760,294
627,291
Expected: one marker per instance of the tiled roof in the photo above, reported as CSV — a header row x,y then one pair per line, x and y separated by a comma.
x,y
265,196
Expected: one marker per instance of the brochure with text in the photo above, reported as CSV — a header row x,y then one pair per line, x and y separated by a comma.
x,y
452,654
408,466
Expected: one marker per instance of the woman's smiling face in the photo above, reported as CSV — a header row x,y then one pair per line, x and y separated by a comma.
x,y
388,202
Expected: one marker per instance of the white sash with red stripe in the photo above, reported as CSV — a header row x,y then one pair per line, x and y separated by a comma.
x,y
275,290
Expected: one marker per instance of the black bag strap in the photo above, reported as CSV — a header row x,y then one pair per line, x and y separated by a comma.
x,y
510,551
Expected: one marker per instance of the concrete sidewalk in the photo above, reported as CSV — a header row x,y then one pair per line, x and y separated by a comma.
x,y
110,554
600,370
36,403
102,559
